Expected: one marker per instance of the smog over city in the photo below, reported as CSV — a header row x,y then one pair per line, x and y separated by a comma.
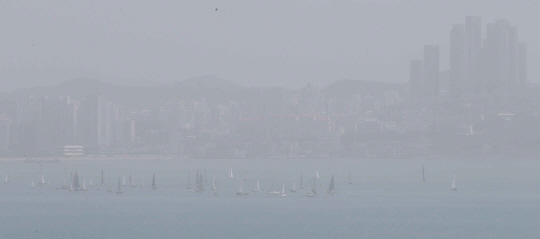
x,y
269,119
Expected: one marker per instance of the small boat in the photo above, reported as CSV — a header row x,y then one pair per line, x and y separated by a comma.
x,y
301,182
231,173
241,191
142,181
331,187
6,179
258,187
90,182
119,191
124,181
317,175
283,191
454,184
32,184
154,181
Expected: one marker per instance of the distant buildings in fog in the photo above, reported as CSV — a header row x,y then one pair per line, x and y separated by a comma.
x,y
493,67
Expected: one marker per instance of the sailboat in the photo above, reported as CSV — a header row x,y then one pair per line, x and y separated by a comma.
x,y
310,192
90,183
230,173
75,183
301,182
102,179
142,181
423,175
350,178
84,185
154,181
214,185
293,189
124,181
258,187
317,175
32,184
42,182
454,183
6,179
241,189
109,189
283,191
132,181
205,178
331,187
119,186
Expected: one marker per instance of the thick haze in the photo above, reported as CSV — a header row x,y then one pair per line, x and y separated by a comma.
x,y
254,43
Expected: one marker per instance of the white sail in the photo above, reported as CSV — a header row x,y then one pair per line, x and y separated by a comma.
x,y
90,183
142,181
231,173
124,181
6,179
84,185
283,191
213,182
258,186
317,174
42,180
454,183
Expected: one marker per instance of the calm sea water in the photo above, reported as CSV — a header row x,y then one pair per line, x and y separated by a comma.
x,y
388,199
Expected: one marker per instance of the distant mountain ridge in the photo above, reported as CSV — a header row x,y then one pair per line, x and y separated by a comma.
x,y
212,88
347,88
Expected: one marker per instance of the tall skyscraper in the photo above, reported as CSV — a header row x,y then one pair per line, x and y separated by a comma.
x,y
465,58
505,66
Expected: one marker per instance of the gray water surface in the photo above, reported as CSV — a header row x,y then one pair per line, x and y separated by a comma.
x,y
388,199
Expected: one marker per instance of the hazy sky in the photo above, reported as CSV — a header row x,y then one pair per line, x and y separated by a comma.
x,y
252,42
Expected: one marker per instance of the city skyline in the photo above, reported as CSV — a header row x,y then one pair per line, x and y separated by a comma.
x,y
167,47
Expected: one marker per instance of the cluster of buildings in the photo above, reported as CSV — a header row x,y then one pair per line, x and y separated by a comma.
x,y
481,107
490,65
